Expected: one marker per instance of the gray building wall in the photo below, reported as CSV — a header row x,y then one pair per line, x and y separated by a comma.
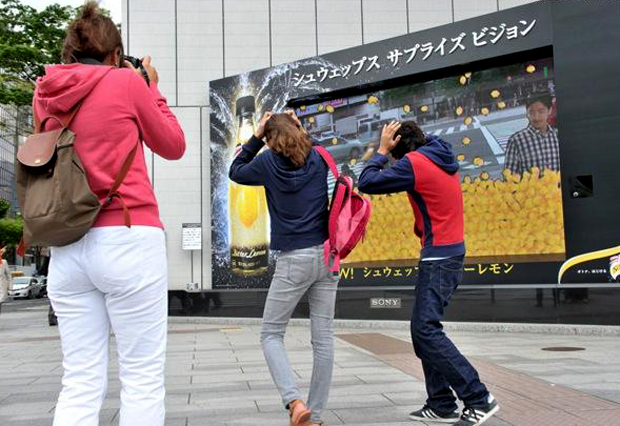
x,y
195,41
15,124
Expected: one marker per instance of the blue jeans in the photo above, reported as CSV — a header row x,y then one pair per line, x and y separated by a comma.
x,y
444,366
299,272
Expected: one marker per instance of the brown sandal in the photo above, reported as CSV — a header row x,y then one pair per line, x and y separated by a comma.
x,y
300,414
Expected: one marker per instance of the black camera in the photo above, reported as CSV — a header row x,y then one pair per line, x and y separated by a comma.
x,y
137,63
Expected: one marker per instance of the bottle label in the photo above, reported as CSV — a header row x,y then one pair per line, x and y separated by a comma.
x,y
249,258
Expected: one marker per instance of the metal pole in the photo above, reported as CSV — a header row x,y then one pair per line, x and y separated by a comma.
x,y
15,147
191,257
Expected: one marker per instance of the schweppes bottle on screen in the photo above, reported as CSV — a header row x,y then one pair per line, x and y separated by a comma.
x,y
247,208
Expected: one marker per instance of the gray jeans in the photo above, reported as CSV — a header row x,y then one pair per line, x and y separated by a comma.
x,y
298,272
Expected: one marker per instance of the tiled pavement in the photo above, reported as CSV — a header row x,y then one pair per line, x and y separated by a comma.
x,y
524,400
216,375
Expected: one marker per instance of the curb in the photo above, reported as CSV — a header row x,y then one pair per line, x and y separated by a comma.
x,y
553,329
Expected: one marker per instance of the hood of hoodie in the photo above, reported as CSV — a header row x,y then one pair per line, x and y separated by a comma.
x,y
63,86
440,152
289,178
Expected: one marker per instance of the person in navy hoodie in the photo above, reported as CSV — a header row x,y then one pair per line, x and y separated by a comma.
x,y
427,170
295,179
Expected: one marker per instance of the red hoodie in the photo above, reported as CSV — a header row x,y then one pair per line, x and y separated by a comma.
x,y
119,110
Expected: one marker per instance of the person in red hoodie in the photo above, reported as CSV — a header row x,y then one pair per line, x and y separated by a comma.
x,y
427,171
115,277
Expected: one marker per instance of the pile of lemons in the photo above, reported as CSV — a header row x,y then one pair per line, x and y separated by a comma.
x,y
511,216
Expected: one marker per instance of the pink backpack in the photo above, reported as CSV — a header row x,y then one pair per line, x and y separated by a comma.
x,y
349,214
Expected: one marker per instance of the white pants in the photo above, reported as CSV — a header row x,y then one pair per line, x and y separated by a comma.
x,y
114,276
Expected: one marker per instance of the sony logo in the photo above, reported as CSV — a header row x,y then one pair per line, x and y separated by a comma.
x,y
385,303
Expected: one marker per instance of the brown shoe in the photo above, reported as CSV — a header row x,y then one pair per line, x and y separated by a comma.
x,y
300,414
312,423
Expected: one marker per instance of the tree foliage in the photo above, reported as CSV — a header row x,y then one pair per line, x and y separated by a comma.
x,y
5,206
29,39
11,230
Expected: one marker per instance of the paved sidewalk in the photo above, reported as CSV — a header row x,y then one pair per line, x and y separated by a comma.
x,y
216,375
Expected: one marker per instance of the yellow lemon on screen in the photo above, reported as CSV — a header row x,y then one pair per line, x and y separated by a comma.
x,y
466,140
468,74
459,111
495,94
501,104
468,121
407,109
330,109
247,205
373,100
530,68
463,80
484,110
424,108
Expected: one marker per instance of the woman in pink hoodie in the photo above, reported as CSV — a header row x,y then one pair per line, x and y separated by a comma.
x,y
115,277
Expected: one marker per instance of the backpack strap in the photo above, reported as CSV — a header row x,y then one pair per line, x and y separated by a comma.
x,y
21,248
324,153
329,256
331,252
113,192
37,120
38,123
337,203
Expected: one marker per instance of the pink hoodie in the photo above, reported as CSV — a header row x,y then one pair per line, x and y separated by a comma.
x,y
119,111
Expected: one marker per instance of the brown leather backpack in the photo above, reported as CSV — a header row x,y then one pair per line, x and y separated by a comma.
x,y
57,204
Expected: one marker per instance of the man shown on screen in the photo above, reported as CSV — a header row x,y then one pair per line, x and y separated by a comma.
x,y
428,171
537,145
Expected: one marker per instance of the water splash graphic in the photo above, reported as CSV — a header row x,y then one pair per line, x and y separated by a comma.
x,y
272,88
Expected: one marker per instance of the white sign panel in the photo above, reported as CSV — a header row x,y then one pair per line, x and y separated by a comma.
x,y
192,236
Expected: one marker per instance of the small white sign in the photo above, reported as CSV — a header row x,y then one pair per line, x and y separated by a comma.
x,y
192,236
192,287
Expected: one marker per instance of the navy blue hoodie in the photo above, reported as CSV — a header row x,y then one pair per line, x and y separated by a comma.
x,y
296,196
